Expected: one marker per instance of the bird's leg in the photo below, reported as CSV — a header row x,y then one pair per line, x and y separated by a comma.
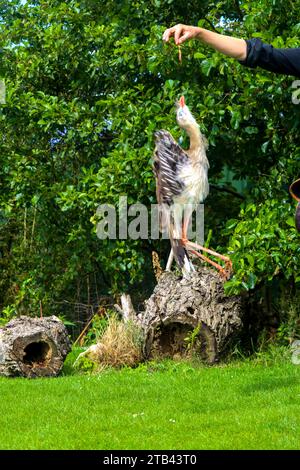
x,y
184,230
170,261
192,247
225,272
207,250
188,210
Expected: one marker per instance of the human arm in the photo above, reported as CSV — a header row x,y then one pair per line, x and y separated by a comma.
x,y
251,52
227,45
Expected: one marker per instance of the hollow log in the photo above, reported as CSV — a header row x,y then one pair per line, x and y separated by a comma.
x,y
33,347
190,317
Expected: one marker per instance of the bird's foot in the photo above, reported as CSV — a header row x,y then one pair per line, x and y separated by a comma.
x,y
228,268
225,272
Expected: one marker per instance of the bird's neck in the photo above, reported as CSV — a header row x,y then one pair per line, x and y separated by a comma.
x,y
196,142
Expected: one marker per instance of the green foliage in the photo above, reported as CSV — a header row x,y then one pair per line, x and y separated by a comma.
x,y
68,368
85,91
85,365
271,350
6,315
263,240
192,337
289,314
96,330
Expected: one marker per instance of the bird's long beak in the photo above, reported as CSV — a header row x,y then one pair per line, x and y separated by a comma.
x,y
181,102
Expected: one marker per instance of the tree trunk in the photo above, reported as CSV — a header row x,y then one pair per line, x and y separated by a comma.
x,y
33,347
190,317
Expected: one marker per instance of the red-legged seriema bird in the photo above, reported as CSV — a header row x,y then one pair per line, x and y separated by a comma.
x,y
181,184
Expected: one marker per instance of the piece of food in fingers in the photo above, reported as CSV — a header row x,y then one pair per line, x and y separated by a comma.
x,y
179,54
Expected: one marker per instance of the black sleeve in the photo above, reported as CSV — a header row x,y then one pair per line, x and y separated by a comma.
x,y
286,61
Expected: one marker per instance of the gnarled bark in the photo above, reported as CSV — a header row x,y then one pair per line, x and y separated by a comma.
x,y
190,317
33,347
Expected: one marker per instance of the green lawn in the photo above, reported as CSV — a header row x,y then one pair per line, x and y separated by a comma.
x,y
175,406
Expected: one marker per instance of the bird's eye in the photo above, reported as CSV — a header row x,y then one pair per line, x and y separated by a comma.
x,y
180,113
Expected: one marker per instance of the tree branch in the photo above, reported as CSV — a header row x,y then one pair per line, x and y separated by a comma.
x,y
227,190
239,11
210,24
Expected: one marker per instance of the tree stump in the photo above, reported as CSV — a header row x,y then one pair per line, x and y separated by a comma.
x,y
33,347
190,317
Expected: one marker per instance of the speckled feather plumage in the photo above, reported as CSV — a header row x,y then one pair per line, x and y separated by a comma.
x,y
181,179
169,161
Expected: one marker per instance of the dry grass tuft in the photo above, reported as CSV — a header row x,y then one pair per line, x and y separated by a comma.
x,y
120,345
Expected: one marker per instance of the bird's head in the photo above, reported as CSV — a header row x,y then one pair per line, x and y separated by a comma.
x,y
184,116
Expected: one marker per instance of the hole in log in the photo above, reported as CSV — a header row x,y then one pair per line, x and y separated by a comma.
x,y
38,353
169,340
179,340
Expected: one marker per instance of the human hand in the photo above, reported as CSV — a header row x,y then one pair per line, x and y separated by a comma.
x,y
181,33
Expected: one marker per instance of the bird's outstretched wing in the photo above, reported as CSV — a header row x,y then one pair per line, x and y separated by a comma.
x,y
169,160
